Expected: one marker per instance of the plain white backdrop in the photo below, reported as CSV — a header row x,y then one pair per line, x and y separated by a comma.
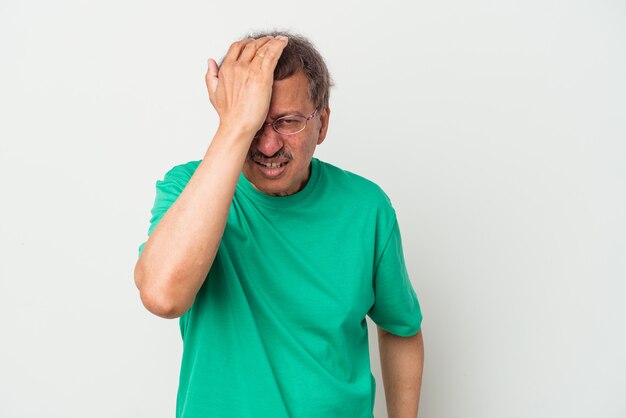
x,y
496,127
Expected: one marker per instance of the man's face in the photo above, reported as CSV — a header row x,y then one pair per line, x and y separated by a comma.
x,y
293,153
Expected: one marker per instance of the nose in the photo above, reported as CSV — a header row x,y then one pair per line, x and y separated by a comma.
x,y
268,141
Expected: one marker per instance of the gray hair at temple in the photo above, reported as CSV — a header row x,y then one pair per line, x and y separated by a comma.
x,y
301,55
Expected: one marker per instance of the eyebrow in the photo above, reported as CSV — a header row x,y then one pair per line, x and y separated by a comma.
x,y
283,114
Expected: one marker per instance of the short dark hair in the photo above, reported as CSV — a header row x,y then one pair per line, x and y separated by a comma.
x,y
301,55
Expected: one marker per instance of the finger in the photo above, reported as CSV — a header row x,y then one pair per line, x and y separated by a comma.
x,y
270,53
250,50
274,46
211,77
235,50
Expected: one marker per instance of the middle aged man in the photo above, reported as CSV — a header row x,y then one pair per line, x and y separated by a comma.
x,y
272,259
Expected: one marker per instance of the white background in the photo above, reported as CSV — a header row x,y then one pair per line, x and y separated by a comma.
x,y
496,127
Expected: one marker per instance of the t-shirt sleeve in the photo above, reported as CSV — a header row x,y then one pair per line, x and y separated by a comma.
x,y
167,191
396,308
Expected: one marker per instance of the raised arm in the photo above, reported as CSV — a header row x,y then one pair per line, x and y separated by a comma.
x,y
178,254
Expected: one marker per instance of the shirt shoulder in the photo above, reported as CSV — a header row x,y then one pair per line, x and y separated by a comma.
x,y
351,186
181,173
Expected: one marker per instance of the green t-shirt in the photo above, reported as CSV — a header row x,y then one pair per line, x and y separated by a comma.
x,y
278,328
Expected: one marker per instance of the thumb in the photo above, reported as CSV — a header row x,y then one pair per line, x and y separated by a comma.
x,y
211,76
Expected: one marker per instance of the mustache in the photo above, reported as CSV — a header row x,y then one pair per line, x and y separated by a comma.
x,y
280,154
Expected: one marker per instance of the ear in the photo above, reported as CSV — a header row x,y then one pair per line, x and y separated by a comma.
x,y
324,117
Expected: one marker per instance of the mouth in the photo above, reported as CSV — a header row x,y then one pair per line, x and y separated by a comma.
x,y
271,169
271,165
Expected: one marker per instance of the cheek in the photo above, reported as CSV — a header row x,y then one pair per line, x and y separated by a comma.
x,y
302,148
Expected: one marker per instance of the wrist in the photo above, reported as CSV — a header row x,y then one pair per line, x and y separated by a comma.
x,y
230,142
237,130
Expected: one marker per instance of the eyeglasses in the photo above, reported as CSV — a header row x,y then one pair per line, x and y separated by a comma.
x,y
287,125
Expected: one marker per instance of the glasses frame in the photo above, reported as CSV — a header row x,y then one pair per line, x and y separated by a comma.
x,y
272,124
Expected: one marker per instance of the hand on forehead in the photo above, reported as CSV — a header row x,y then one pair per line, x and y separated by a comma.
x,y
241,88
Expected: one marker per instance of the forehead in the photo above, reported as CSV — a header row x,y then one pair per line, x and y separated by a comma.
x,y
291,95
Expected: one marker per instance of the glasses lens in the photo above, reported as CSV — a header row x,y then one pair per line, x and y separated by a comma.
x,y
290,124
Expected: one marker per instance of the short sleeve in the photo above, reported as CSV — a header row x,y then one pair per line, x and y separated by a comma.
x,y
167,191
396,308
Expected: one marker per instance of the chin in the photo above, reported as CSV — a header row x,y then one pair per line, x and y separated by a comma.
x,y
273,187
279,182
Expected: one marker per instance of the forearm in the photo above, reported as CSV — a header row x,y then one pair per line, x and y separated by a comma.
x,y
402,360
181,249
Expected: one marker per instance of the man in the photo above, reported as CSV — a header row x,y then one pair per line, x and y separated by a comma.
x,y
272,258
